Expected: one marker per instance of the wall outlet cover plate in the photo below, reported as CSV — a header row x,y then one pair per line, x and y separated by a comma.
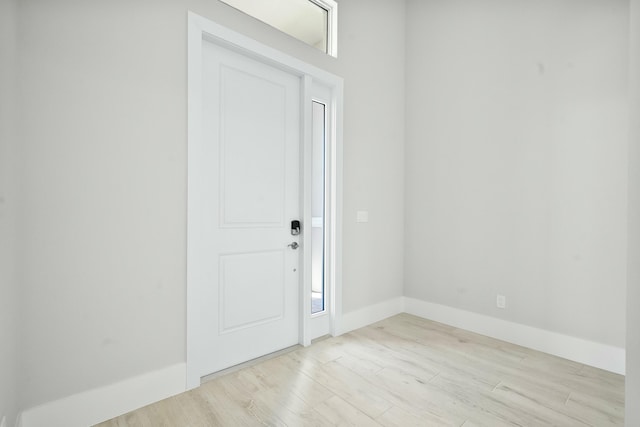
x,y
501,301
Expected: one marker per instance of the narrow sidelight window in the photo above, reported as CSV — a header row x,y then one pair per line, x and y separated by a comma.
x,y
318,126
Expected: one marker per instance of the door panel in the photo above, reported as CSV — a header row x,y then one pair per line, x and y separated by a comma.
x,y
237,281
253,144
251,129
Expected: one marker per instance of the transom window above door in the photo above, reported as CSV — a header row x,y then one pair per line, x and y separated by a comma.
x,y
312,21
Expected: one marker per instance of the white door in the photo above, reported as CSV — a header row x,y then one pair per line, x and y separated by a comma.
x,y
251,134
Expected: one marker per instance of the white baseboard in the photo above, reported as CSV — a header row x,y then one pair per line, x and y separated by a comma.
x,y
371,314
590,353
100,404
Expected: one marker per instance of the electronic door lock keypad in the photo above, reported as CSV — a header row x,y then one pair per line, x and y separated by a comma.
x,y
295,227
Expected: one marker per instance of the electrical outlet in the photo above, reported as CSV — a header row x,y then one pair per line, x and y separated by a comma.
x,y
501,301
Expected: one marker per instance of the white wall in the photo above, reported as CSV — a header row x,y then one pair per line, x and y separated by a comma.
x,y
516,173
632,379
104,129
371,55
9,306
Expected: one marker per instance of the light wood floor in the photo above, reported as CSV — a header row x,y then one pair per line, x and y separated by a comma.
x,y
403,371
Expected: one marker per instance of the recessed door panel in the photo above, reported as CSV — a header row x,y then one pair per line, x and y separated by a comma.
x,y
247,300
253,143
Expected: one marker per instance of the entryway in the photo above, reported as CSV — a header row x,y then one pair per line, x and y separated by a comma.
x,y
264,185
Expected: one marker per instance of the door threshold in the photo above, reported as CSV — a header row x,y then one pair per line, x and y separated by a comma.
x,y
321,338
248,363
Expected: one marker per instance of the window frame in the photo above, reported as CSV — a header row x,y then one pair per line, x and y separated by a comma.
x,y
330,6
332,24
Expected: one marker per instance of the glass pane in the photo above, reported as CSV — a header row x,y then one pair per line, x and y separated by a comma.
x,y
317,208
302,19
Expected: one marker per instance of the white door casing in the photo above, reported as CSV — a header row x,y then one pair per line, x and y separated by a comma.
x,y
244,298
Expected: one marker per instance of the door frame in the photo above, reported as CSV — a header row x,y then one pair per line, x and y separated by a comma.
x,y
201,30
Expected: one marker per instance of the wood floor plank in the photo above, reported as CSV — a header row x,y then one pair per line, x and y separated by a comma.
x,y
595,411
398,417
353,388
417,396
402,371
339,412
281,374
426,357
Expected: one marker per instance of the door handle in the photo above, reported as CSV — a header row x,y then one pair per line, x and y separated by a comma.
x,y
293,245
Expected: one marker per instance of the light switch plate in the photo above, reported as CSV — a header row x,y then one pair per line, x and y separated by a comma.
x,y
362,216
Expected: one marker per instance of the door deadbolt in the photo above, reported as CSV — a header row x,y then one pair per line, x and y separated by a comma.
x,y
293,245
295,227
